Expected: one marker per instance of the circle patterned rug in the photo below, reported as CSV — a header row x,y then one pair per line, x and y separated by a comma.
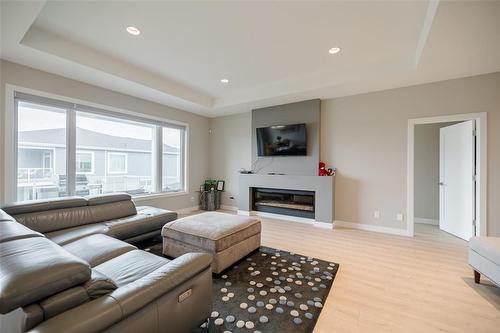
x,y
270,291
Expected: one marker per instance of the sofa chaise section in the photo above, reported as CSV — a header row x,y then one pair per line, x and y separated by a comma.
x,y
97,283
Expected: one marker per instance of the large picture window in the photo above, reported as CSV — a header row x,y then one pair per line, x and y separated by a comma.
x,y
101,151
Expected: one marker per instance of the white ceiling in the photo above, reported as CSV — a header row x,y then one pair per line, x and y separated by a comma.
x,y
272,52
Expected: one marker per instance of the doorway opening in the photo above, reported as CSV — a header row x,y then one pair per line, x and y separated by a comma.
x,y
446,179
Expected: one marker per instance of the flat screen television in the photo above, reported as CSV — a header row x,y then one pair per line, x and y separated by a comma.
x,y
282,140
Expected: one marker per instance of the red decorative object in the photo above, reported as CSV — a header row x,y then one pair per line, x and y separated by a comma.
x,y
322,169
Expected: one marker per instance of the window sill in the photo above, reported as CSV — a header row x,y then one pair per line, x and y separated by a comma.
x,y
145,197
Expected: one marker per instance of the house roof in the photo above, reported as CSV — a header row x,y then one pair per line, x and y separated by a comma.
x,y
89,139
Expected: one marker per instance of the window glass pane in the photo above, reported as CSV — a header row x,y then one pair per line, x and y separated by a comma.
x,y
41,151
172,166
117,163
84,162
122,153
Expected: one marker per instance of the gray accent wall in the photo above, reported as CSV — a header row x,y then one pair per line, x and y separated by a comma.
x,y
306,112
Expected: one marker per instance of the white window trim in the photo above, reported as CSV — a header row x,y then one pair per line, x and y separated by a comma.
x,y
92,158
10,143
115,153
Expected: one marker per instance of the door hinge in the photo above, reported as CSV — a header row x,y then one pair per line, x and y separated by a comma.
x,y
474,178
474,222
474,132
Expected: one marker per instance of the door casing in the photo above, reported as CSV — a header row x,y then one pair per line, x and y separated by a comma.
x,y
481,168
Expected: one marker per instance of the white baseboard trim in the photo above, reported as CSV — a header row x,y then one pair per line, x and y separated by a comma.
x,y
371,227
425,221
231,208
187,210
312,222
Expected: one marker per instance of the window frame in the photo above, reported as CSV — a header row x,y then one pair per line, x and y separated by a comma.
x,y
92,160
14,94
108,163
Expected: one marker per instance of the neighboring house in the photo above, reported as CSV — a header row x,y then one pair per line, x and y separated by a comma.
x,y
104,163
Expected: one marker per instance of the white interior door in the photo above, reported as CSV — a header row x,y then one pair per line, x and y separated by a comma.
x,y
457,170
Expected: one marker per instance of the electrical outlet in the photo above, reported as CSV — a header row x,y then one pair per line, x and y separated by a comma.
x,y
376,214
192,198
399,217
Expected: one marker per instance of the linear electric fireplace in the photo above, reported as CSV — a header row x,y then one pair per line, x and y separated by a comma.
x,y
280,201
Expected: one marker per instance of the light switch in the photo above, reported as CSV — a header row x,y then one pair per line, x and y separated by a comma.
x,y
376,214
399,217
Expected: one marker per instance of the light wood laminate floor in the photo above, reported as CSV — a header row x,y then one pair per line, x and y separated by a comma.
x,y
392,283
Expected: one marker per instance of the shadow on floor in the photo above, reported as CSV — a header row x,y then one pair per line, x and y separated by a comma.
x,y
486,290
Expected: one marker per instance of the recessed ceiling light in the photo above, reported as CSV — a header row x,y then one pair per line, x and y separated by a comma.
x,y
133,31
334,50
224,80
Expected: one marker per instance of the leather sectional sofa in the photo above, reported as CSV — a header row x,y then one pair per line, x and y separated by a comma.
x,y
67,265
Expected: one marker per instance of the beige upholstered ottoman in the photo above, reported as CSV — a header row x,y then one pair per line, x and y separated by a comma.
x,y
227,237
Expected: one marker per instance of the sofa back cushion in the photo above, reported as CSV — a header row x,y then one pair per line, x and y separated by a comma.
x,y
34,268
23,207
56,219
62,213
113,210
100,199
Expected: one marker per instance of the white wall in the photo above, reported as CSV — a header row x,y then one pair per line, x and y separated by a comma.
x,y
365,136
26,77
427,170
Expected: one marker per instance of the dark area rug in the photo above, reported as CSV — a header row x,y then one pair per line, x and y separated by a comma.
x,y
268,291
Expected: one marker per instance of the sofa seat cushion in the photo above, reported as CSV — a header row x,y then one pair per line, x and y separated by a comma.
x,y
65,236
488,247
98,248
130,266
146,220
212,231
11,230
34,268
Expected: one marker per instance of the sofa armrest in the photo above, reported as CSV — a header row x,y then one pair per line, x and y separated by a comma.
x,y
137,294
105,311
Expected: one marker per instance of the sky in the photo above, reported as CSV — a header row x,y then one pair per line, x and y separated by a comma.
x,y
31,118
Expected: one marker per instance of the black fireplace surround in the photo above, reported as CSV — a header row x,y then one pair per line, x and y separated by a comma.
x,y
280,201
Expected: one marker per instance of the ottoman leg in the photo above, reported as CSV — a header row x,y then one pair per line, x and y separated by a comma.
x,y
477,276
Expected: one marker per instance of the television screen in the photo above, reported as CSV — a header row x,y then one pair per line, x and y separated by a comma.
x,y
282,140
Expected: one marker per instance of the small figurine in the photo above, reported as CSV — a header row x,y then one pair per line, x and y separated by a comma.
x,y
322,169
